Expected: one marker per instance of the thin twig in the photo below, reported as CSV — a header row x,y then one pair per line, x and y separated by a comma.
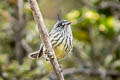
x,y
44,35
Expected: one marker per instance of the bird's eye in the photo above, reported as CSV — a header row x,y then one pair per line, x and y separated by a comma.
x,y
60,24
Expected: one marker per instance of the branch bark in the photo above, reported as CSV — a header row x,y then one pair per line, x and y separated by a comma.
x,y
20,11
26,46
91,72
19,28
45,38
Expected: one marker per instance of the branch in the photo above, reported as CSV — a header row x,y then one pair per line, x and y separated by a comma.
x,y
26,46
8,16
93,72
20,11
44,35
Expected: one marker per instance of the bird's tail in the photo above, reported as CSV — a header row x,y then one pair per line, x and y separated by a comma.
x,y
36,54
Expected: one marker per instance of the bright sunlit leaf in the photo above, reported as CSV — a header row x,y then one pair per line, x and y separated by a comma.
x,y
102,27
73,14
91,15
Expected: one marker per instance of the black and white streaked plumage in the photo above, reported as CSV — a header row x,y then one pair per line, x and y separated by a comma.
x,y
61,39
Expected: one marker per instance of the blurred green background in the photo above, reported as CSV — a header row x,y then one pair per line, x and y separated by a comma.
x,y
96,31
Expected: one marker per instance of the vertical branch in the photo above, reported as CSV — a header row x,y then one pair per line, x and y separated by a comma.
x,y
44,35
95,64
19,30
20,11
93,46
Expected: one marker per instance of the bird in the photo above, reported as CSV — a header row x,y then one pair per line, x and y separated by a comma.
x,y
61,39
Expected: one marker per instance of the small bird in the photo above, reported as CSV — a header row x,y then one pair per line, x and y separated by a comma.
x,y
61,39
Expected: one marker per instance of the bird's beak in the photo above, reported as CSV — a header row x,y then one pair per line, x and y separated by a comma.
x,y
68,23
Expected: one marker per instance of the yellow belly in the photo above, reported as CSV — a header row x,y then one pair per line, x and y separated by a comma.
x,y
60,52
